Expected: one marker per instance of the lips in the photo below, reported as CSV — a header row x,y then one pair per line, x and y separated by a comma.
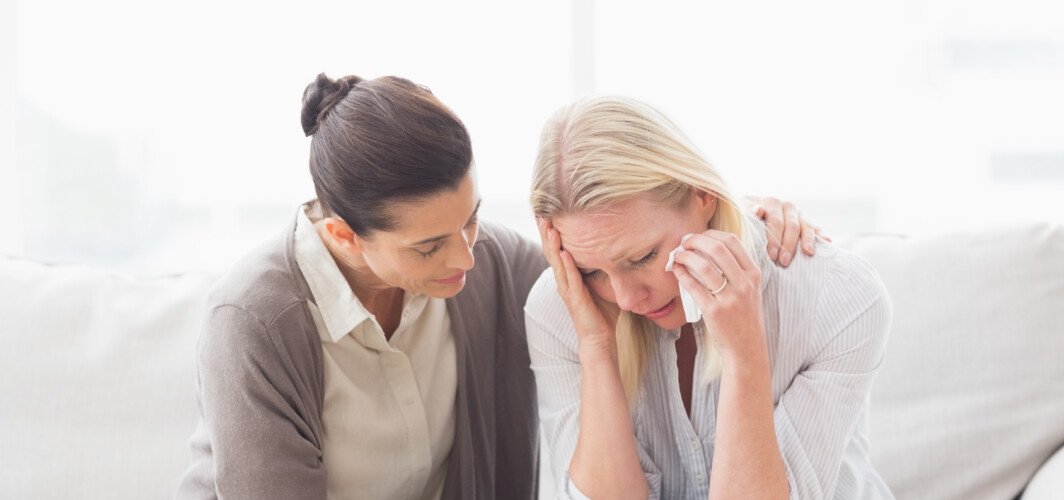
x,y
661,313
453,279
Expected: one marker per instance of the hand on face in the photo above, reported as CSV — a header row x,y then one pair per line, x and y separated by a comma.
x,y
733,313
592,325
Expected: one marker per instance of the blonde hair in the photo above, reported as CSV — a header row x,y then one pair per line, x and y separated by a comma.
x,y
600,151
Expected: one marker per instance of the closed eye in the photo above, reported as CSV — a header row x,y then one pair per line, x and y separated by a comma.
x,y
648,258
435,248
590,275
440,240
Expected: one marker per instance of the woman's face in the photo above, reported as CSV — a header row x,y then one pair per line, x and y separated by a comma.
x,y
430,250
621,253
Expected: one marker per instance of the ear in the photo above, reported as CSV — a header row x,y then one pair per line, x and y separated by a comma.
x,y
706,203
343,236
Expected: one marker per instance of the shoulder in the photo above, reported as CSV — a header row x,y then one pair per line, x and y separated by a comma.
x,y
498,236
264,283
500,243
835,288
259,306
849,283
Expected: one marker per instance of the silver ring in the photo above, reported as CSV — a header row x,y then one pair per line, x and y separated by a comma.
x,y
722,285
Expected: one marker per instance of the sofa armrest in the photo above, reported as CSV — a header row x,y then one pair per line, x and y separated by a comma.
x,y
1048,482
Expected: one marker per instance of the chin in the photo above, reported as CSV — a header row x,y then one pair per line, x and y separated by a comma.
x,y
669,322
444,291
675,319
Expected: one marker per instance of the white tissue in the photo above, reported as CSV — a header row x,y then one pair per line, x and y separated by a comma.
x,y
690,307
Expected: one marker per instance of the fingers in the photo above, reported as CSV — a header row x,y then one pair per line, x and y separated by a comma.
x,y
551,250
772,214
808,237
693,286
573,280
726,250
707,275
715,254
821,233
791,231
753,203
759,211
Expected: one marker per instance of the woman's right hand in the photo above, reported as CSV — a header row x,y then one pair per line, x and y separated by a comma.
x,y
592,325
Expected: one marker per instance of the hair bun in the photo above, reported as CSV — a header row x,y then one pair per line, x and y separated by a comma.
x,y
320,97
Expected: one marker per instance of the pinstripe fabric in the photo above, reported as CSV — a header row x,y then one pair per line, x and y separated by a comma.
x,y
826,321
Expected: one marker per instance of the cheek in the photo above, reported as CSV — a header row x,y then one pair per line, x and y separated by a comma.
x,y
397,271
602,288
417,270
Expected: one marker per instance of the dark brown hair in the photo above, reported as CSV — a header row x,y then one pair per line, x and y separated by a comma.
x,y
376,142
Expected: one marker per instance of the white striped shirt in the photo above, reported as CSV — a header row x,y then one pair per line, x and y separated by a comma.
x,y
826,324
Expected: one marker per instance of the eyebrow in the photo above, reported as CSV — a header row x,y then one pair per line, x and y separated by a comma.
x,y
622,255
444,236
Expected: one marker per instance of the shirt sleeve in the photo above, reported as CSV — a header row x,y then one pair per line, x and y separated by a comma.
x,y
255,413
818,418
553,349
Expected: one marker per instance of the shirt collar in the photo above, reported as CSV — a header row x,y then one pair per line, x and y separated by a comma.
x,y
340,309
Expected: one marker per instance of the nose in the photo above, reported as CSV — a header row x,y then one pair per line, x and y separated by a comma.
x,y
627,293
462,255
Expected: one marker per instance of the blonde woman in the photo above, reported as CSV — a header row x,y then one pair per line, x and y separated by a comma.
x,y
761,393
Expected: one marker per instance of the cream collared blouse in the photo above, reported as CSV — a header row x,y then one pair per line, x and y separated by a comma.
x,y
389,413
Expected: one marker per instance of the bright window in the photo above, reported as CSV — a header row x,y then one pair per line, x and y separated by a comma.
x,y
161,138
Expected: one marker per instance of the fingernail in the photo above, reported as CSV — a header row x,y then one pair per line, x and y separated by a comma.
x,y
808,247
785,259
773,253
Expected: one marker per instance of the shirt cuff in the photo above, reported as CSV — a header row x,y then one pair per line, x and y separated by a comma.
x,y
575,492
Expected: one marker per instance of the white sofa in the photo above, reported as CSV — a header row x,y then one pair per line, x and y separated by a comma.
x,y
98,372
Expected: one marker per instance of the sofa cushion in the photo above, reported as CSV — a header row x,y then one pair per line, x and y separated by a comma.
x,y
99,380
969,401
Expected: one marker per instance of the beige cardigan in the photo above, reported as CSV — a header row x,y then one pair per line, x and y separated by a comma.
x,y
261,384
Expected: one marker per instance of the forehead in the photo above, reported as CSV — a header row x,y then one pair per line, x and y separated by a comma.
x,y
435,214
628,226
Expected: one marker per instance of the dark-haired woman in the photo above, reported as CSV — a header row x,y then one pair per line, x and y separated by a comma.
x,y
340,360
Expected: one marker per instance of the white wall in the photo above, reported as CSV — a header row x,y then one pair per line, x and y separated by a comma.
x,y
165,138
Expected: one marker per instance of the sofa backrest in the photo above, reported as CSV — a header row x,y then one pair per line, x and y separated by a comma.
x,y
969,401
99,379
99,386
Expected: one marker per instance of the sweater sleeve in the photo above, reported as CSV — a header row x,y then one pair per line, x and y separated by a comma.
x,y
255,413
524,259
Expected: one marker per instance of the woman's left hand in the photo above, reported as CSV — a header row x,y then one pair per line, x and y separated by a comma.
x,y
786,228
730,300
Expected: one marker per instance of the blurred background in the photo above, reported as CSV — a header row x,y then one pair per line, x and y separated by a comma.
x,y
159,137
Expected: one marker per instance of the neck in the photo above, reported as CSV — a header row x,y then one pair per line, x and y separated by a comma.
x,y
383,301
